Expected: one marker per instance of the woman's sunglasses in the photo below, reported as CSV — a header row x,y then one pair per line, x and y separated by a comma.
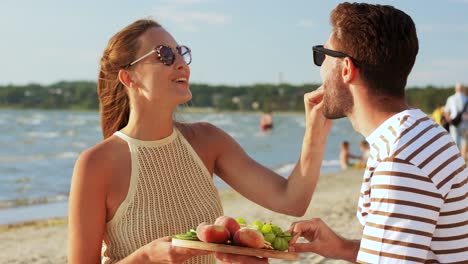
x,y
320,52
166,55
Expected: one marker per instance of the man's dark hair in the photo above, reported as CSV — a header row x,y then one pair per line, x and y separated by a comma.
x,y
382,39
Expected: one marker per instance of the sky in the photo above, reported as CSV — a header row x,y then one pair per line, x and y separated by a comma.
x,y
233,42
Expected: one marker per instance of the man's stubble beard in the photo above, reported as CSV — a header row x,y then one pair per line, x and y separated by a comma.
x,y
338,101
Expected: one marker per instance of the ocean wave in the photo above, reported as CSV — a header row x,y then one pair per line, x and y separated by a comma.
x,y
331,163
43,134
69,132
220,120
25,179
7,159
67,155
31,120
32,201
80,145
75,121
36,157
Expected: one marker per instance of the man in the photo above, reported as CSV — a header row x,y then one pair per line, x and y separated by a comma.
x,y
455,104
413,202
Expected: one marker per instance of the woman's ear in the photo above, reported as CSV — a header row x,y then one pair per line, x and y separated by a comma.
x,y
349,70
126,79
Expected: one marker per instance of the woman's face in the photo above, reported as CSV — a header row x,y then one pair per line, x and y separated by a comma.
x,y
165,85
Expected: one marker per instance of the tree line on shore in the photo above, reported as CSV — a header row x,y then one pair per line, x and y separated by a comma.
x,y
258,97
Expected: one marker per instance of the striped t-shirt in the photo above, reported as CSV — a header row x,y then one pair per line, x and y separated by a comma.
x,y
413,202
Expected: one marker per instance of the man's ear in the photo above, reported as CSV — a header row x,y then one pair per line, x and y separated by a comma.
x,y
349,70
126,79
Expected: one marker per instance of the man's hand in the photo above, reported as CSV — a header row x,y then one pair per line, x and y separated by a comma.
x,y
322,240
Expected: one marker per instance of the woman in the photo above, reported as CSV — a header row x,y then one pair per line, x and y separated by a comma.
x,y
151,177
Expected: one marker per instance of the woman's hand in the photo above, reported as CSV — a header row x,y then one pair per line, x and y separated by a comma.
x,y
317,126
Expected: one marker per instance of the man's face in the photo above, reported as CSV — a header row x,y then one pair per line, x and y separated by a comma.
x,y
338,100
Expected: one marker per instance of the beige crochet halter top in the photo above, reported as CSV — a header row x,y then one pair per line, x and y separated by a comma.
x,y
170,191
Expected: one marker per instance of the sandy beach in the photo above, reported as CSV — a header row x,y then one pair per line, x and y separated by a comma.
x,y
335,201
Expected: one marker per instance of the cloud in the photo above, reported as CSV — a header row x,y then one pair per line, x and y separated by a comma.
x,y
307,23
192,20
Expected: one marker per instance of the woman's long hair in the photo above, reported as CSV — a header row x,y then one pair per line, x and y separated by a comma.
x,y
114,104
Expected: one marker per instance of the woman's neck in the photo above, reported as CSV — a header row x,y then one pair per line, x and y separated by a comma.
x,y
149,125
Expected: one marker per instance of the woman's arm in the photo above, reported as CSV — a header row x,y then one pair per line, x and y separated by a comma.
x,y
289,196
87,208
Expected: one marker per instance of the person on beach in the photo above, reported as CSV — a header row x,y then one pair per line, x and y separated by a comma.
x,y
413,202
365,149
346,156
457,105
152,177
440,117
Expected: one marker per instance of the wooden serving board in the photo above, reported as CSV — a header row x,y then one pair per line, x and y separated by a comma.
x,y
269,253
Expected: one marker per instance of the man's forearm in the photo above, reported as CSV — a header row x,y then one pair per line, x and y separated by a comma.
x,y
350,250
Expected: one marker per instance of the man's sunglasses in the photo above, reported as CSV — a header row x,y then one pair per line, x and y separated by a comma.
x,y
166,55
320,52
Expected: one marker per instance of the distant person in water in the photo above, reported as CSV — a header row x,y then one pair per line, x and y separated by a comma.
x,y
365,148
266,121
345,156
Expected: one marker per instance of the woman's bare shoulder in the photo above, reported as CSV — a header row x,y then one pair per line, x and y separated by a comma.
x,y
200,131
102,158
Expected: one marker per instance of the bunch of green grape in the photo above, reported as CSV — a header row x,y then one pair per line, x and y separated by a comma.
x,y
190,235
272,233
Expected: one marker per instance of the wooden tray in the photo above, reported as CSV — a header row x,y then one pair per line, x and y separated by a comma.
x,y
269,253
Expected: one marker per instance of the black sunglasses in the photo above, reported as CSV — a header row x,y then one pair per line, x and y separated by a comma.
x,y
166,55
320,52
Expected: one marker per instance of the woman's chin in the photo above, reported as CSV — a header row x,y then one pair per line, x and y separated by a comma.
x,y
185,98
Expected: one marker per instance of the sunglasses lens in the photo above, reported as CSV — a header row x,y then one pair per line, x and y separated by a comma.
x,y
186,54
166,55
319,57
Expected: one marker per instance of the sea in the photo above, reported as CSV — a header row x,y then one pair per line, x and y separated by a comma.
x,y
39,149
